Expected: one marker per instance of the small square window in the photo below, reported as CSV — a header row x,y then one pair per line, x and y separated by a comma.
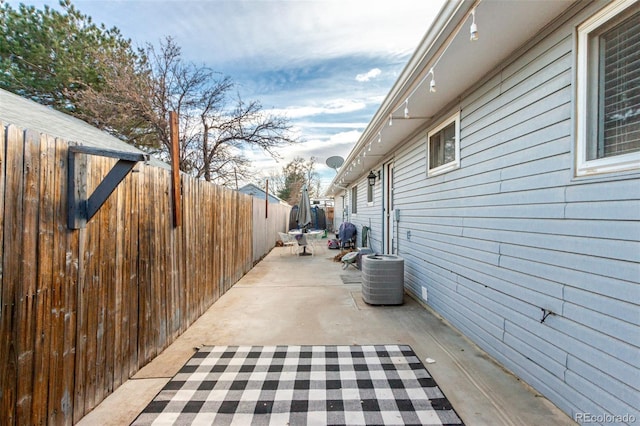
x,y
608,93
443,146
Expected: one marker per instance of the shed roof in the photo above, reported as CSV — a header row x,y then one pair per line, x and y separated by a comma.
x,y
254,190
28,114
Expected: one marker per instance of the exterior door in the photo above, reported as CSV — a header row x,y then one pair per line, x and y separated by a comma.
x,y
389,211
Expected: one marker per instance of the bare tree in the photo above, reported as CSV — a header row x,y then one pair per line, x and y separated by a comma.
x,y
215,125
294,175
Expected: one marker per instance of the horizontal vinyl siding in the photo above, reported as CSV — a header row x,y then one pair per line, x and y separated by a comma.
x,y
369,215
512,233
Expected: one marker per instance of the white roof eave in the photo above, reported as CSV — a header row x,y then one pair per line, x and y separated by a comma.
x,y
458,64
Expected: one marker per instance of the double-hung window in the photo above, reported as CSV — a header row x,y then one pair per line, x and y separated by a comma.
x,y
608,90
443,146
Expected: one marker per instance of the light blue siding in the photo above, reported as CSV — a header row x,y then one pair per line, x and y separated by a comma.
x,y
512,234
368,215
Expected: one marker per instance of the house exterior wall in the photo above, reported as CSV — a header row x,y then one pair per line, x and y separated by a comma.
x,y
513,234
369,215
338,212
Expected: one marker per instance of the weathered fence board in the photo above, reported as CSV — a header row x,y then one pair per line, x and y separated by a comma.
x,y
45,278
83,310
11,273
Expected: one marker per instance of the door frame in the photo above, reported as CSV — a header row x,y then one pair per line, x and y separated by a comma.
x,y
388,209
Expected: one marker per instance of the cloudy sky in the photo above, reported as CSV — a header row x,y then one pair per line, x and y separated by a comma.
x,y
325,64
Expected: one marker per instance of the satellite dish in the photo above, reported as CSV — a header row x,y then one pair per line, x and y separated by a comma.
x,y
335,162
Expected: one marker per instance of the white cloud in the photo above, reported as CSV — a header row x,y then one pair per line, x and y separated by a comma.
x,y
340,125
268,34
335,106
278,42
349,137
373,73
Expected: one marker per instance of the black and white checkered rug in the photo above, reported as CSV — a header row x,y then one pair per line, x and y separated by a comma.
x,y
301,385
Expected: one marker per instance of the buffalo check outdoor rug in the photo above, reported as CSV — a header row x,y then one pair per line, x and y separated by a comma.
x,y
301,385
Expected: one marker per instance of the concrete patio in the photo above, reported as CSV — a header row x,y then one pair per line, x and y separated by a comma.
x,y
291,300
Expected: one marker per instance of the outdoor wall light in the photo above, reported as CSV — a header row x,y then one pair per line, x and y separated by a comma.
x,y
372,178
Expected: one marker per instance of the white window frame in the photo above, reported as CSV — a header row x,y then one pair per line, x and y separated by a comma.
x,y
617,163
354,200
452,165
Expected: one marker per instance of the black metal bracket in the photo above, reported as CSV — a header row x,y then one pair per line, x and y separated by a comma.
x,y
545,314
81,208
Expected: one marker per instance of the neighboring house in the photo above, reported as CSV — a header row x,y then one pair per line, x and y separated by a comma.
x,y
512,191
253,190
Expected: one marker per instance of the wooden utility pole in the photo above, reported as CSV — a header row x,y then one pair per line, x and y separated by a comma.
x,y
175,169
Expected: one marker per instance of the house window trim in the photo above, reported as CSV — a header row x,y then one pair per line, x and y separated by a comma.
x,y
452,165
616,163
354,200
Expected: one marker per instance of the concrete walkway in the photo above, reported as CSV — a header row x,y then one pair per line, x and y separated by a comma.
x,y
291,300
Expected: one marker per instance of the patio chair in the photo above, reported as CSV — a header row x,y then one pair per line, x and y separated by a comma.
x,y
288,241
315,241
349,259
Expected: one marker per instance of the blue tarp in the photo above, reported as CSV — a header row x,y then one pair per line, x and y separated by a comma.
x,y
318,218
347,234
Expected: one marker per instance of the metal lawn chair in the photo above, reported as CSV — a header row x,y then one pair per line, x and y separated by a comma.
x,y
315,240
349,259
288,241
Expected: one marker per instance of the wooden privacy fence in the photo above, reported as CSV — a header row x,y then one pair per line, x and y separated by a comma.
x,y
83,310
267,222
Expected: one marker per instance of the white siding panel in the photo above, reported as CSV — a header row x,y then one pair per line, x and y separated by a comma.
x,y
506,305
539,168
565,276
539,351
545,52
535,98
605,248
627,394
593,229
620,309
500,155
547,383
613,357
527,288
609,402
556,330
551,177
607,267
605,324
545,112
615,210
605,191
